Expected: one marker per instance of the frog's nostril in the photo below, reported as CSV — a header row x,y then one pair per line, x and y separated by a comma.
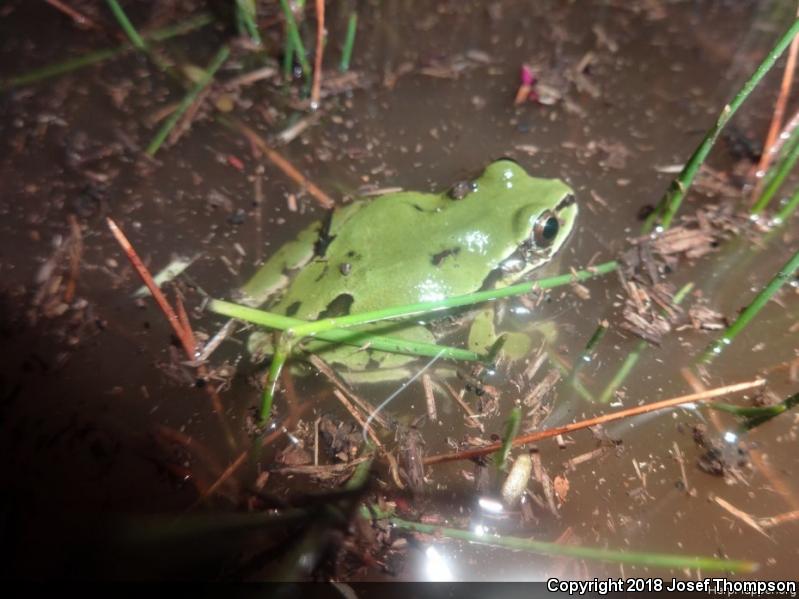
x,y
566,202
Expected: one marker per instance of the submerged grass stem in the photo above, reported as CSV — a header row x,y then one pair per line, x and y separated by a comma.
x,y
349,42
752,310
632,358
98,56
219,58
657,560
781,171
672,199
294,40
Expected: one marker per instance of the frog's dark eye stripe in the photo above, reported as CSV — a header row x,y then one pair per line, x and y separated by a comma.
x,y
545,229
566,202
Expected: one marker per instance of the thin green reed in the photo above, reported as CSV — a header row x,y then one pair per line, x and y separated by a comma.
x,y
349,42
670,202
752,310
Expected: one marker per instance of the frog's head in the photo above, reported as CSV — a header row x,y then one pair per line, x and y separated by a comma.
x,y
543,211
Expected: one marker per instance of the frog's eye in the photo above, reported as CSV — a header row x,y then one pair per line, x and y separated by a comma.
x,y
545,229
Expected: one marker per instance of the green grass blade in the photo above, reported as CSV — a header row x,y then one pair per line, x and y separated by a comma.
x,y
670,202
98,56
655,560
789,208
126,25
752,417
781,172
354,338
589,350
246,19
421,308
282,352
762,298
220,57
511,429
349,42
296,40
632,358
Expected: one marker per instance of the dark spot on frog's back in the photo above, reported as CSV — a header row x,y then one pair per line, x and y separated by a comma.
x,y
438,258
338,307
292,309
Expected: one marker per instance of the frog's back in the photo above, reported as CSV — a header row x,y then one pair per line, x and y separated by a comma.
x,y
407,247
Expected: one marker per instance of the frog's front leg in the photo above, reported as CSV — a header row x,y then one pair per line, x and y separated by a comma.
x,y
483,336
271,277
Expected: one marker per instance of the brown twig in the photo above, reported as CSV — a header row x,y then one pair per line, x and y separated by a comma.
x,y
180,324
771,521
284,165
621,414
681,462
430,398
364,405
316,88
458,397
80,19
289,422
769,148
358,418
183,319
162,302
740,515
75,252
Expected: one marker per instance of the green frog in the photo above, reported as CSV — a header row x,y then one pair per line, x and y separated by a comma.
x,y
407,247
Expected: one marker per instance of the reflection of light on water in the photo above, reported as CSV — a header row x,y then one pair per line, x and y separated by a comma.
x,y
436,566
730,437
490,505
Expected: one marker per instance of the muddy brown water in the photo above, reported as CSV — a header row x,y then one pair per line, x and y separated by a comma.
x,y
81,407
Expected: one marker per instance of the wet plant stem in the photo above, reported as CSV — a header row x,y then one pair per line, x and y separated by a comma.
x,y
590,348
126,25
246,20
470,454
282,352
755,416
219,58
314,328
672,199
575,382
316,88
776,177
658,560
511,430
354,338
133,35
349,42
789,208
98,56
752,310
770,145
294,40
632,358
311,329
